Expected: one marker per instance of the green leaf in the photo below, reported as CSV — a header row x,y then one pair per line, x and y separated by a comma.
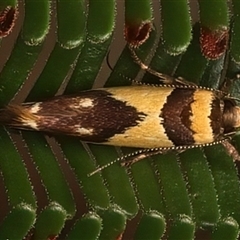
x,y
170,196
50,221
151,226
18,222
86,228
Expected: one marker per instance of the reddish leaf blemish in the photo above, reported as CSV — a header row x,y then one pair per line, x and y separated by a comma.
x,y
119,237
52,237
137,34
7,20
213,43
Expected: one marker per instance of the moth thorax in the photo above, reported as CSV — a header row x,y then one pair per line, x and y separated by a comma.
x,y
231,116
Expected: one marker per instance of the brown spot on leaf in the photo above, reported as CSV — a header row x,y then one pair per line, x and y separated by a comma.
x,y
52,237
119,237
7,20
137,34
213,43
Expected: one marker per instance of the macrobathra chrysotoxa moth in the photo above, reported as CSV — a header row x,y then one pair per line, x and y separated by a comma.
x,y
156,118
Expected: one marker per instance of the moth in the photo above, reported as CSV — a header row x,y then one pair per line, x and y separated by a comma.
x,y
156,118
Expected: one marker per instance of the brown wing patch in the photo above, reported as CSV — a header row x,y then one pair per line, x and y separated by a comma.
x,y
176,114
94,116
216,117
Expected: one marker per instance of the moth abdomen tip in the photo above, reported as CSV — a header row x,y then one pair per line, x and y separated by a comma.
x,y
16,116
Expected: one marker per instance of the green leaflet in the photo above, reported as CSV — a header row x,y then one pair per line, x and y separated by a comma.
x,y
168,192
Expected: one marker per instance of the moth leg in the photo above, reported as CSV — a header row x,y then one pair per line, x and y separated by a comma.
x,y
134,157
231,150
166,79
184,82
228,82
226,85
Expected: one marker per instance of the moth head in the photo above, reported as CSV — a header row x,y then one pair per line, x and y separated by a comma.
x,y
231,116
236,115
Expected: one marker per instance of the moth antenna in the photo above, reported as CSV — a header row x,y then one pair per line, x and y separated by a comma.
x,y
122,75
234,98
126,163
108,62
99,169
